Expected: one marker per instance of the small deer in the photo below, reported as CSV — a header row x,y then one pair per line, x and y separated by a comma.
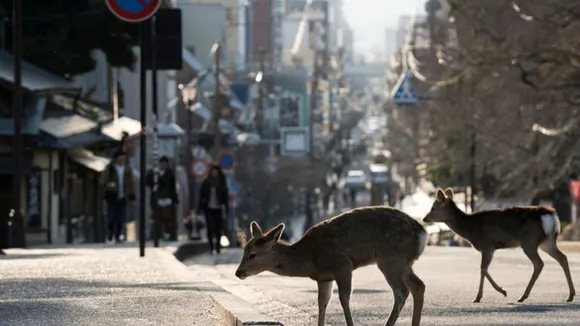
x,y
489,230
332,249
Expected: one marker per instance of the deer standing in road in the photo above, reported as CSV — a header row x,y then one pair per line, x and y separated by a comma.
x,y
331,250
489,230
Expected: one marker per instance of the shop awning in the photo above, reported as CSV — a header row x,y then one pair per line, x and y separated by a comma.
x,y
115,128
67,126
89,160
34,79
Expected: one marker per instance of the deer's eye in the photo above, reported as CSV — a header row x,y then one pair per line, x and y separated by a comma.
x,y
251,256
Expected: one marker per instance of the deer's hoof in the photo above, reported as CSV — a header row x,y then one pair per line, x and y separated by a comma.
x,y
477,300
570,297
502,291
521,299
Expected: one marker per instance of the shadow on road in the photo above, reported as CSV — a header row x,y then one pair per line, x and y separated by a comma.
x,y
522,307
30,256
355,291
54,288
29,313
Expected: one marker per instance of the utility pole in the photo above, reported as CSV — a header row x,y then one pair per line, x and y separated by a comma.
x,y
143,140
155,108
326,61
17,95
472,167
313,93
217,103
261,89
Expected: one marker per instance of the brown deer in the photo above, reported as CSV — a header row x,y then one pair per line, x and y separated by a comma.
x,y
489,230
332,249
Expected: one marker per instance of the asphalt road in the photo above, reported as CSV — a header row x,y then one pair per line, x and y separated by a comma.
x,y
451,276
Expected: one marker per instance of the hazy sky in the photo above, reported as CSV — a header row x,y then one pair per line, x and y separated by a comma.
x,y
370,18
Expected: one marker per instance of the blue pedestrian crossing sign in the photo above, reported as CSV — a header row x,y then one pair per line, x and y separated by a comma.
x,y
404,93
226,160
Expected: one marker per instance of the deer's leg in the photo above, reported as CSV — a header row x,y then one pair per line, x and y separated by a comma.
x,y
490,279
417,288
395,275
532,252
550,247
486,258
344,283
324,294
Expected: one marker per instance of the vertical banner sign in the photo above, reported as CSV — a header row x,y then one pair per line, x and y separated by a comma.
x,y
133,11
33,207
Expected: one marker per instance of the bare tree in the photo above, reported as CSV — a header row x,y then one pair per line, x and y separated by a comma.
x,y
510,87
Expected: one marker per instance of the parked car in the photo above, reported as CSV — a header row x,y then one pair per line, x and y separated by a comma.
x,y
356,179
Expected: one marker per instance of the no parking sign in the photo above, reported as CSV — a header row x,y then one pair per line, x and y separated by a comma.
x,y
200,168
133,11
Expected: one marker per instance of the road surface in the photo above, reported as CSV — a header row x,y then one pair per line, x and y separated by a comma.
x,y
451,276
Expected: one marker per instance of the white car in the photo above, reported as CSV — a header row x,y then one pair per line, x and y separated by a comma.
x,y
355,179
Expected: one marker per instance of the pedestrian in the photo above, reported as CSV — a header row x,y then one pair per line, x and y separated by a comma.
x,y
165,198
213,204
119,189
353,197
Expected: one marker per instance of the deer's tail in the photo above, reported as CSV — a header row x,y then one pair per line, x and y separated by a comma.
x,y
422,243
551,225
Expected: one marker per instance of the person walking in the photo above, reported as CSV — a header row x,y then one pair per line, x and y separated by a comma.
x,y
213,204
164,199
119,189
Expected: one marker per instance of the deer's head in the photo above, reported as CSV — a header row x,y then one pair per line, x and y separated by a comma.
x,y
259,254
443,208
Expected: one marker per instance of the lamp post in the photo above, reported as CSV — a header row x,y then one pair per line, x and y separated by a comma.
x,y
217,101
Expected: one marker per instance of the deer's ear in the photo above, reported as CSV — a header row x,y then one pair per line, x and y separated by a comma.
x,y
449,193
255,230
440,196
275,234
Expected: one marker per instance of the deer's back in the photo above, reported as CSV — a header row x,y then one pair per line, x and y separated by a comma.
x,y
510,227
364,234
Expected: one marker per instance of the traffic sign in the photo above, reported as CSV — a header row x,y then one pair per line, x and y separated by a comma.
x,y
133,11
226,160
200,168
295,141
404,91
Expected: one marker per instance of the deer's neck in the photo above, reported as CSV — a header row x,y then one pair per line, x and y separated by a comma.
x,y
459,223
291,260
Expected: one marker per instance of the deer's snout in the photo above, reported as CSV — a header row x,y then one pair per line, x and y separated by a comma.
x,y
241,274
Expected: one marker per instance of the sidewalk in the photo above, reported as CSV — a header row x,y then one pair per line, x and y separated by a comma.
x,y
101,285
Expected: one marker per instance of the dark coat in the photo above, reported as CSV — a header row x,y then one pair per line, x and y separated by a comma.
x,y
166,186
204,193
109,182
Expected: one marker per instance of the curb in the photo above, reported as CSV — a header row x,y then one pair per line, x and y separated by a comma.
x,y
234,310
